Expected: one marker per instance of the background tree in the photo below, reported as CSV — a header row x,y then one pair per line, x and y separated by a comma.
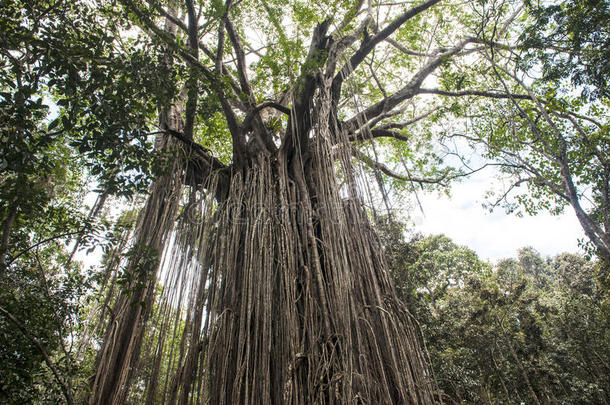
x,y
552,142
529,329
571,40
60,89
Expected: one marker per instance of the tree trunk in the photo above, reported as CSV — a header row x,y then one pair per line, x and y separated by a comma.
x,y
6,233
524,373
299,308
124,334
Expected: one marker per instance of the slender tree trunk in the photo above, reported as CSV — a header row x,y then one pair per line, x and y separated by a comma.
x,y
499,373
7,226
124,336
524,373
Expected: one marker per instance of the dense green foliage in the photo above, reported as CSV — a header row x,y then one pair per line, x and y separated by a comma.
x,y
44,298
529,329
572,39
76,105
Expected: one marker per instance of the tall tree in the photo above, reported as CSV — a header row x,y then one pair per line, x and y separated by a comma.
x,y
552,145
299,307
40,196
529,329
571,39
281,279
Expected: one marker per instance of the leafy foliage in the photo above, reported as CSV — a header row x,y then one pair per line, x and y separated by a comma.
x,y
529,329
83,89
44,296
571,40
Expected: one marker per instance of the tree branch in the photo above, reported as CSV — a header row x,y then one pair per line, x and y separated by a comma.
x,y
299,122
239,143
6,233
240,59
42,242
201,166
404,124
389,172
267,104
386,131
192,90
367,46
411,89
481,93
376,133
222,71
204,153
62,385
349,16
406,51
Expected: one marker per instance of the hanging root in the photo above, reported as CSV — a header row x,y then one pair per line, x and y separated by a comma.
x,y
126,326
275,294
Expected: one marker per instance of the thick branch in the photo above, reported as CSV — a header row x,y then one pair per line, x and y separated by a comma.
x,y
373,123
222,71
191,102
377,133
273,104
299,122
349,17
267,104
386,131
201,166
202,152
342,43
408,91
404,124
220,66
262,135
404,50
240,58
368,46
6,232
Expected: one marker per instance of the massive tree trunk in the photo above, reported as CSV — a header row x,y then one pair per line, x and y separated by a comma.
x,y
272,287
303,311
290,301
286,294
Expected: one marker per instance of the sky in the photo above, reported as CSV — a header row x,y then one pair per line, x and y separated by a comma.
x,y
494,235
